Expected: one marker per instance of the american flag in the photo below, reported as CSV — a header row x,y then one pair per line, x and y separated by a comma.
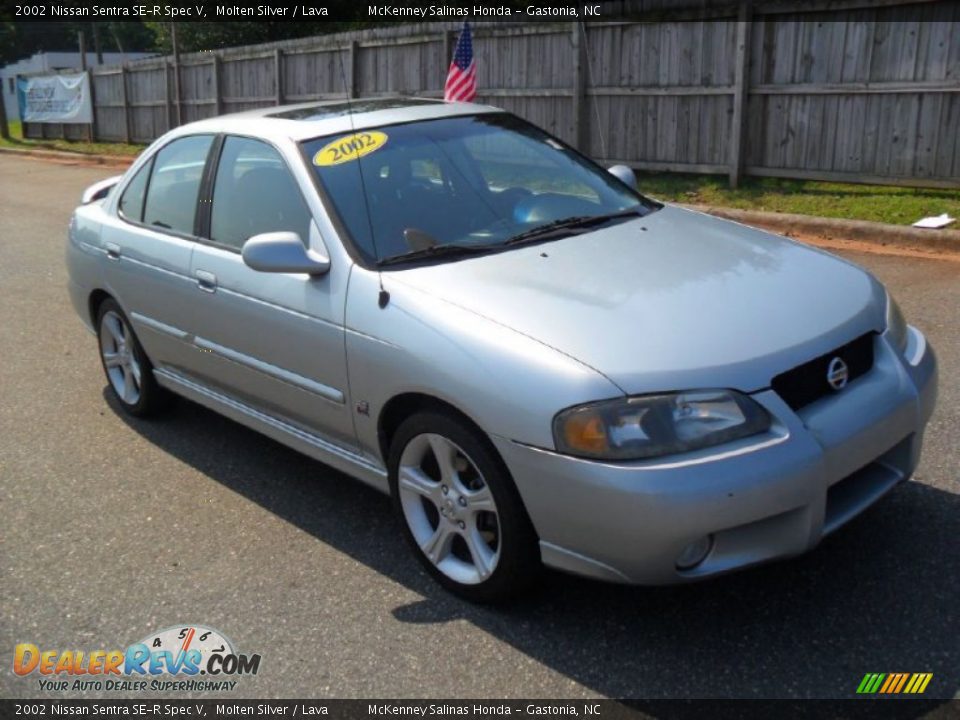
x,y
462,76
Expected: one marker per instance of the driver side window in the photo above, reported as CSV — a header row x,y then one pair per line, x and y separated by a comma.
x,y
254,192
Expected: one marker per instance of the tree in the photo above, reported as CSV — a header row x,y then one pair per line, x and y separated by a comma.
x,y
22,39
197,36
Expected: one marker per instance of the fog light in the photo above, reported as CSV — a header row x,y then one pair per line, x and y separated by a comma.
x,y
695,553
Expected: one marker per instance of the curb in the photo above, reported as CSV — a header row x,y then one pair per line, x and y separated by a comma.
x,y
111,161
901,236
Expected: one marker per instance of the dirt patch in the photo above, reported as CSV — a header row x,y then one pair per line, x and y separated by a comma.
x,y
932,253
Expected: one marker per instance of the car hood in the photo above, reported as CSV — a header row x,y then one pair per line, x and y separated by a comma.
x,y
673,300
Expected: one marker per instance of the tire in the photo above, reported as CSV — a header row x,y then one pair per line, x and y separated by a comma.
x,y
462,515
127,367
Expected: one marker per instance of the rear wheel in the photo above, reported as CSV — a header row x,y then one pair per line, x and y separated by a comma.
x,y
127,367
460,510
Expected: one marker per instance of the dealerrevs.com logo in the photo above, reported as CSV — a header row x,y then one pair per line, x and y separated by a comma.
x,y
181,658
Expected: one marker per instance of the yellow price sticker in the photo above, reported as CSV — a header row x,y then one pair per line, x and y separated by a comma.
x,y
350,147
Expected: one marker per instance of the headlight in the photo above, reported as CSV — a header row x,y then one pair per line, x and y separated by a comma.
x,y
896,325
652,425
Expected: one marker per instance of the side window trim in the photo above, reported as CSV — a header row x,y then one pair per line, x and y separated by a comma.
x,y
146,193
146,188
201,225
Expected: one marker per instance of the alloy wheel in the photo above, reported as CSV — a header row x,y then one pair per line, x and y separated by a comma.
x,y
119,359
449,508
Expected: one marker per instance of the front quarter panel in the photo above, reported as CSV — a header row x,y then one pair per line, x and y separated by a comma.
x,y
507,383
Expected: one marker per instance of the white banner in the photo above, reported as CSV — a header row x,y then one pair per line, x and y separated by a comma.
x,y
55,98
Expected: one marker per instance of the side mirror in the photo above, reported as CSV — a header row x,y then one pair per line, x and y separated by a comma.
x,y
624,175
283,252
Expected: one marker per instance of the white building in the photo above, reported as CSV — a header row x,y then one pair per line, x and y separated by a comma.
x,y
50,61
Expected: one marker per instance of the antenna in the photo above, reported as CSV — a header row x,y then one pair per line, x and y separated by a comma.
x,y
384,296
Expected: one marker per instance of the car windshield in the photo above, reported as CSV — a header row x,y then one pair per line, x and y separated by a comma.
x,y
471,184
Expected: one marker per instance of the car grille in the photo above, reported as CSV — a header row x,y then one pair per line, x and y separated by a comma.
x,y
807,383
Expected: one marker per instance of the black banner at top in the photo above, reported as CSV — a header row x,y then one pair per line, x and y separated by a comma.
x,y
360,11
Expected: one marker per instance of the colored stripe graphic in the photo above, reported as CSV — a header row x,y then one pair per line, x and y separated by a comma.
x,y
903,680
894,683
870,683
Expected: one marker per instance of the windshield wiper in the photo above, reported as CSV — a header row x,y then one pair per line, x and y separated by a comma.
x,y
543,232
435,251
562,227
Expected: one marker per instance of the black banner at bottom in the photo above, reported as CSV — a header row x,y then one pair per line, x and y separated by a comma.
x,y
377,709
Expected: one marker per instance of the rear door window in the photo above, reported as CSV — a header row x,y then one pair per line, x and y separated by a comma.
x,y
171,202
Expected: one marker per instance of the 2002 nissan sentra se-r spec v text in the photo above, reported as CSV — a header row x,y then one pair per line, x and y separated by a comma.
x,y
539,364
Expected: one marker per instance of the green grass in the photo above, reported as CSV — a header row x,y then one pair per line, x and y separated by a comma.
x,y
77,146
879,203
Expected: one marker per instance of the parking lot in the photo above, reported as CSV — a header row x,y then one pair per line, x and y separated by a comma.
x,y
113,528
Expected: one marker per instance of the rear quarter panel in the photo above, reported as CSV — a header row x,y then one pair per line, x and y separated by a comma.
x,y
84,257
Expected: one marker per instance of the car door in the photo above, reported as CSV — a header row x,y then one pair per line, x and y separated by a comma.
x,y
271,340
148,244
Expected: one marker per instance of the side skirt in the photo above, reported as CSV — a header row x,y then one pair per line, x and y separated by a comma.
x,y
300,440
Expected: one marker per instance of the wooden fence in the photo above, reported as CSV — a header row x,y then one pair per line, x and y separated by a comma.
x,y
839,90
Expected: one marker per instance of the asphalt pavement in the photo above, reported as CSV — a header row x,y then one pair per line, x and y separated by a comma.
x,y
113,528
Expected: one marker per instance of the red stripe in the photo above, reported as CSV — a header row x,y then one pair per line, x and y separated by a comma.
x,y
452,80
468,93
455,75
461,85
458,85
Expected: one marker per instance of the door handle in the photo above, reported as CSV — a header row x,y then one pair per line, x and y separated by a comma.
x,y
113,250
206,281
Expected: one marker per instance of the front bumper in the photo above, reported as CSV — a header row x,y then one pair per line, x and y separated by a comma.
x,y
766,497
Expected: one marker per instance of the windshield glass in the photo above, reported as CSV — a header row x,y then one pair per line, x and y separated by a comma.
x,y
477,181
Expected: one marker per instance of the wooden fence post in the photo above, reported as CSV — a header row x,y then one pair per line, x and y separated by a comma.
x,y
740,93
448,45
126,105
217,100
579,87
92,127
166,93
176,73
4,127
278,75
354,89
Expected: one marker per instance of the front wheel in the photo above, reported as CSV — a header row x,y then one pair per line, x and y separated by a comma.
x,y
460,510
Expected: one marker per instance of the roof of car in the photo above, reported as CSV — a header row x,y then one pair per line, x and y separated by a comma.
x,y
316,119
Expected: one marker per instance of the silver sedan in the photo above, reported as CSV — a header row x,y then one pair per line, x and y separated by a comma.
x,y
539,364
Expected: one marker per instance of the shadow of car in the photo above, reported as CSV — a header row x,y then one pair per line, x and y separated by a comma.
x,y
878,596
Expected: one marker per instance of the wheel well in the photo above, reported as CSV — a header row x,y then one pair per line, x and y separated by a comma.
x,y
400,407
96,300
